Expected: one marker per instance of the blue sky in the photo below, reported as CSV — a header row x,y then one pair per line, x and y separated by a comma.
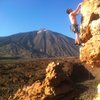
x,y
29,15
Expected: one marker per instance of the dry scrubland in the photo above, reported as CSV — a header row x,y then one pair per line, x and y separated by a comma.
x,y
15,75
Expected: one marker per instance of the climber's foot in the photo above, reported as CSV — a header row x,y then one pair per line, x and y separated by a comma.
x,y
81,44
76,43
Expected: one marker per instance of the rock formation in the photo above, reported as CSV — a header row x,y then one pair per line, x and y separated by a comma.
x,y
55,86
90,32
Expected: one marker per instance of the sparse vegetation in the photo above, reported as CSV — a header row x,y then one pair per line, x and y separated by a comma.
x,y
14,75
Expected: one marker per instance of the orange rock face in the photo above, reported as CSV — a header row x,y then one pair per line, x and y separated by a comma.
x,y
55,85
90,33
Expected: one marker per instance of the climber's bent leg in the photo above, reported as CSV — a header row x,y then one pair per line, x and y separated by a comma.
x,y
77,39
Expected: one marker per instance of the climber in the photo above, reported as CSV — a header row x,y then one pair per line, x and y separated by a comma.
x,y
74,27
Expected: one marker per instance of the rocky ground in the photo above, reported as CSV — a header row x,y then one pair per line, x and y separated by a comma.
x,y
14,75
87,89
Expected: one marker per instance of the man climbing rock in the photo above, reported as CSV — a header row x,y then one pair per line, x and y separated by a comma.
x,y
74,27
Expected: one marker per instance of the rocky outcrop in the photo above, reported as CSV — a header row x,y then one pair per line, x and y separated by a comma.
x,y
55,86
90,32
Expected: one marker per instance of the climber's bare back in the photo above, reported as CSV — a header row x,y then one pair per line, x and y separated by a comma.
x,y
72,18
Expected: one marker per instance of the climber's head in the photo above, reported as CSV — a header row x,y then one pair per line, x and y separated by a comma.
x,y
69,10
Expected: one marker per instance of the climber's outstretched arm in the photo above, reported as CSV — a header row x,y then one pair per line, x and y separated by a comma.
x,y
77,10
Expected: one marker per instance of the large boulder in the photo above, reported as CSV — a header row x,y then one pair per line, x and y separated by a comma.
x,y
90,32
56,85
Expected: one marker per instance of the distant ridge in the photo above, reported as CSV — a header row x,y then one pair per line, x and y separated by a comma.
x,y
40,43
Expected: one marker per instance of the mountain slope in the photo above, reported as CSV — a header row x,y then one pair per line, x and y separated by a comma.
x,y
42,43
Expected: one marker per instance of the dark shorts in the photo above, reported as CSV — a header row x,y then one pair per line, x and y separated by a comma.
x,y
74,28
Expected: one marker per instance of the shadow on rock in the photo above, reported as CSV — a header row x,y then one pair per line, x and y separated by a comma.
x,y
80,73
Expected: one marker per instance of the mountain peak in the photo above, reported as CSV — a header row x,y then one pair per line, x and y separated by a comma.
x,y
41,43
42,30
